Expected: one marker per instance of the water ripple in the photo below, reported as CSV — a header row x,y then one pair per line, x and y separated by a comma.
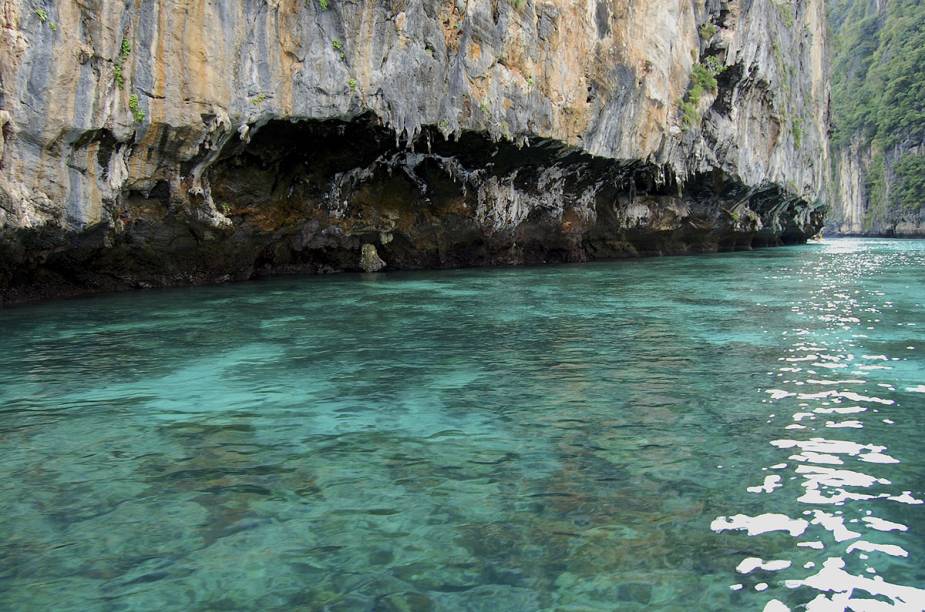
x,y
730,432
843,480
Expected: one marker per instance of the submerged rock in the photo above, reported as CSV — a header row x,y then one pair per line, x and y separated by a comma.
x,y
280,137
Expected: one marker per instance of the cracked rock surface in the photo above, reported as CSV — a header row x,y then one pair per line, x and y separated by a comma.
x,y
166,143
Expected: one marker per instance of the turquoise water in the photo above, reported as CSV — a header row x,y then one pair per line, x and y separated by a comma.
x,y
716,432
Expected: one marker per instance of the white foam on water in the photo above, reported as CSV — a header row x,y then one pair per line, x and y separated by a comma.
x,y
826,449
862,398
850,424
838,410
770,483
750,564
878,458
832,477
832,578
775,606
840,496
820,480
883,525
855,397
887,549
842,602
763,523
831,366
817,458
906,498
835,524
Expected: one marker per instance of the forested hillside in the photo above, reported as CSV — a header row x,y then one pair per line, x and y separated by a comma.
x,y
878,116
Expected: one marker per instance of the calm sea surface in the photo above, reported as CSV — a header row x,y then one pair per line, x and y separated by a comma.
x,y
722,432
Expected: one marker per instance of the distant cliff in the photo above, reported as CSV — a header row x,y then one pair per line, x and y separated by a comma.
x,y
163,143
878,116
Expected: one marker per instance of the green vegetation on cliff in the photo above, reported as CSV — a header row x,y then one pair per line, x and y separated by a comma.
x,y
703,80
909,191
878,100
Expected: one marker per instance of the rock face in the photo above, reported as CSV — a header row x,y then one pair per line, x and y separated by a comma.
x,y
878,144
162,143
858,207
851,165
369,259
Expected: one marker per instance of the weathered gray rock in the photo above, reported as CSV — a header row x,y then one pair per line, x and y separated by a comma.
x,y
851,203
369,259
165,143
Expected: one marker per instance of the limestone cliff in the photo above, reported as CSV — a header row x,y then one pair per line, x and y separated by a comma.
x,y
866,177
878,117
170,142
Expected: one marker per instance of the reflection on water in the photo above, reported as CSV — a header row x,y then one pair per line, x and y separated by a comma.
x,y
838,408
724,432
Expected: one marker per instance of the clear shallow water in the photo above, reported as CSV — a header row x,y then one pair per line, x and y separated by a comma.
x,y
715,432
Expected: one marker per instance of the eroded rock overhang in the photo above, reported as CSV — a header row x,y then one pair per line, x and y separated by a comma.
x,y
307,196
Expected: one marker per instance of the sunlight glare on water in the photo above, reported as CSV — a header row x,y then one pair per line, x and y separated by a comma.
x,y
851,373
738,431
